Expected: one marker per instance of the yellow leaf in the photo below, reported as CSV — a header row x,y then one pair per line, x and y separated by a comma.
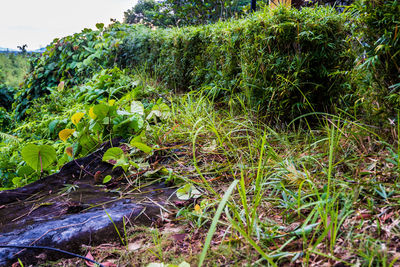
x,y
77,117
69,151
91,114
65,134
111,102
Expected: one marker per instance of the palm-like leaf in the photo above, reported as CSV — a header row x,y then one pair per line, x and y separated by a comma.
x,y
9,138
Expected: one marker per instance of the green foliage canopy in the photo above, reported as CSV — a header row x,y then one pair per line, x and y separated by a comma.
x,y
183,13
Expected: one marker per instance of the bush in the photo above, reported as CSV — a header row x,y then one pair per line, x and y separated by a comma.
x,y
380,29
6,96
285,62
73,59
106,84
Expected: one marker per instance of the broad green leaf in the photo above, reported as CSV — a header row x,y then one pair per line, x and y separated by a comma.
x,y
52,126
101,111
16,181
129,125
159,110
116,157
39,157
87,142
25,170
113,153
107,179
100,26
139,145
137,108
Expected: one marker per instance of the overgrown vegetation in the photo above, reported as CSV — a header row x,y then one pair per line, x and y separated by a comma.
x,y
280,132
13,68
379,24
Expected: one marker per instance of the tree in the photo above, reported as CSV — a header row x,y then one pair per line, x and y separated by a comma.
x,y
23,48
184,12
196,12
144,12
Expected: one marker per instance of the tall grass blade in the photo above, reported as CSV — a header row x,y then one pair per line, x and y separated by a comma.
x,y
254,244
116,229
214,222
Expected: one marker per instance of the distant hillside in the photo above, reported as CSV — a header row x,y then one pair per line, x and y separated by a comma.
x,y
8,50
15,51
13,67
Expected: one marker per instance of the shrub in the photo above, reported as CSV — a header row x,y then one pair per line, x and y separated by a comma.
x,y
73,59
6,96
284,61
380,29
106,84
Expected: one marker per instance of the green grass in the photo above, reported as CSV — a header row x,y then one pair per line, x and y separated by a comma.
x,y
318,183
278,194
301,196
271,194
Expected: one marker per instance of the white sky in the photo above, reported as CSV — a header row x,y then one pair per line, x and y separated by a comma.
x,y
37,22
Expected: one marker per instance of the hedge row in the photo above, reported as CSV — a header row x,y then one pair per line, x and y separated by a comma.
x,y
284,61
379,24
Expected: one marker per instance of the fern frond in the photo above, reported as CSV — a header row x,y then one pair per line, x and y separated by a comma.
x,y
9,138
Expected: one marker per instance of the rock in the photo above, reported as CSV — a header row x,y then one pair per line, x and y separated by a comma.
x,y
45,213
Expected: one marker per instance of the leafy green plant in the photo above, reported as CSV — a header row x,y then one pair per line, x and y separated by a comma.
x,y
39,157
379,26
5,120
72,59
90,131
104,85
116,157
6,96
